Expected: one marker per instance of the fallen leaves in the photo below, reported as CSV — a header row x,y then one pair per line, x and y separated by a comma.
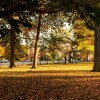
x,y
57,85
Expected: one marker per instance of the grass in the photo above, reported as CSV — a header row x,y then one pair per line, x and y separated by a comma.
x,y
50,82
56,67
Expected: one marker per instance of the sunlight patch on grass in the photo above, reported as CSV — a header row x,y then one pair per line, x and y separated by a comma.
x,y
68,70
58,67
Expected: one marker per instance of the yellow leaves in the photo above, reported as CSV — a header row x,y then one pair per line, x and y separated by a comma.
x,y
84,36
1,51
16,17
90,48
85,45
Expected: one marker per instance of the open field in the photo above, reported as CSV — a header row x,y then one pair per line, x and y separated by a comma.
x,y
50,82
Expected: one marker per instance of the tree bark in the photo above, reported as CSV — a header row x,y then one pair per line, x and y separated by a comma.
x,y
87,58
12,51
69,59
65,60
36,44
96,67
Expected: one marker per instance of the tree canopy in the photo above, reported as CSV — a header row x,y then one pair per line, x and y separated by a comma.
x,y
17,13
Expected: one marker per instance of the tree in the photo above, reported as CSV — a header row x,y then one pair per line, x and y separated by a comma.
x,y
14,13
96,67
36,44
21,52
84,38
15,20
85,9
94,23
44,8
55,41
82,9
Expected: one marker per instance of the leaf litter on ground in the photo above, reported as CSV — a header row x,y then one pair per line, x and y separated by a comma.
x,y
49,85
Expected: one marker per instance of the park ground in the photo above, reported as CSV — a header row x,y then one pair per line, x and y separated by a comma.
x,y
50,82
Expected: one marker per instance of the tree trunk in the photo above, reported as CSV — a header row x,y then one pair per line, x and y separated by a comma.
x,y
87,58
65,60
96,67
36,44
69,59
12,51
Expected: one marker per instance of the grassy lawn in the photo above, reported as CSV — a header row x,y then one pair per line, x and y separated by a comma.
x,y
57,67
50,82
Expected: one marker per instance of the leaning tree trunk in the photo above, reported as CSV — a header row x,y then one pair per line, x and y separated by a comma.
x,y
12,51
36,44
96,67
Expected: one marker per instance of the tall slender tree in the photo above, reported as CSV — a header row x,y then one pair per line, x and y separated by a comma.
x,y
37,39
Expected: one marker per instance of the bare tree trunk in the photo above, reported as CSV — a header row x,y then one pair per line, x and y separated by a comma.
x,y
69,59
87,58
36,44
65,60
96,67
12,51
